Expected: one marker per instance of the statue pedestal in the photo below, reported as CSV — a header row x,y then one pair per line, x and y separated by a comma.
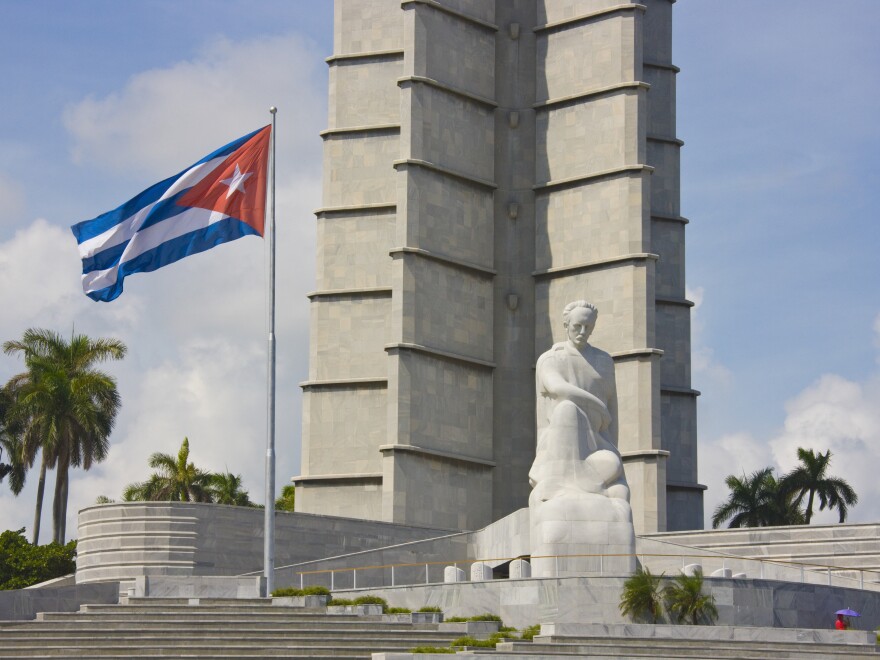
x,y
587,534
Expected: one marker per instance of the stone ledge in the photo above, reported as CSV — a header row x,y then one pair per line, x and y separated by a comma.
x,y
436,453
455,91
451,12
366,292
355,208
343,383
602,174
594,265
584,18
395,54
440,354
590,93
449,261
349,130
455,174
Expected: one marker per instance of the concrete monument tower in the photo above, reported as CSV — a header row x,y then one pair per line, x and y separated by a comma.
x,y
486,162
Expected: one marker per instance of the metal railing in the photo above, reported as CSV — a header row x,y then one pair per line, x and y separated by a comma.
x,y
595,565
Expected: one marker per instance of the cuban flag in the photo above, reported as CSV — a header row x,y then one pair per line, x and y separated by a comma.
x,y
217,200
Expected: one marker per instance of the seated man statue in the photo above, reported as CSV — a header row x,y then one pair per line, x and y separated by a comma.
x,y
579,503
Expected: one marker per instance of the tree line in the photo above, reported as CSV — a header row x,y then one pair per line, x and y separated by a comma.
x,y
762,500
61,410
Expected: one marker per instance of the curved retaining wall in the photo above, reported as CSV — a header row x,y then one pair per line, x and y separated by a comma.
x,y
123,541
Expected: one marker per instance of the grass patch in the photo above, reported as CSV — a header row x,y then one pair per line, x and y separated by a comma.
x,y
485,617
430,608
530,632
398,610
307,591
341,601
431,649
455,619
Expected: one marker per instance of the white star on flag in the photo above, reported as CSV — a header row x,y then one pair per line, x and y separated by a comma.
x,y
236,181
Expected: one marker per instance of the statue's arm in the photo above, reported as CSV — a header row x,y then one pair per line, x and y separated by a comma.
x,y
555,384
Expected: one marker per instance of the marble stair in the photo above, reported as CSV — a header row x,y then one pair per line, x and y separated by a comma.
x,y
213,628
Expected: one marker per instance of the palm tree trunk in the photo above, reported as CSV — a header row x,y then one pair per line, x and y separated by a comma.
x,y
41,488
64,507
58,503
809,512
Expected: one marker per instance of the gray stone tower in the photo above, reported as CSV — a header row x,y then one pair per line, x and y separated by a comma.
x,y
486,162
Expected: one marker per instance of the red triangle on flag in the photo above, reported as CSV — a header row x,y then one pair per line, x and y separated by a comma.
x,y
237,187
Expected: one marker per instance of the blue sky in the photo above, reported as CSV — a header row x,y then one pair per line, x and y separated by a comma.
x,y
777,105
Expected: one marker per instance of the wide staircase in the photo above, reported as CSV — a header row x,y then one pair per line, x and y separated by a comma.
x,y
603,648
213,628
255,628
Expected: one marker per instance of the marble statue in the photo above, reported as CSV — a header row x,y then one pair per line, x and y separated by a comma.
x,y
579,504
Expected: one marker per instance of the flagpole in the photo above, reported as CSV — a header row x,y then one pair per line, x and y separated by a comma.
x,y
269,522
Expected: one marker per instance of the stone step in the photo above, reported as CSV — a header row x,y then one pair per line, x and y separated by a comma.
x,y
215,627
620,648
236,638
661,642
267,651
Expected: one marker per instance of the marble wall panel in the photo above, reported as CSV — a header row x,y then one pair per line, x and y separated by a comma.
x,y
657,31
351,500
450,131
364,92
348,337
596,220
674,339
355,419
679,437
425,490
446,216
587,56
362,26
358,169
668,241
458,53
451,307
353,251
442,405
665,182
552,11
661,101
586,137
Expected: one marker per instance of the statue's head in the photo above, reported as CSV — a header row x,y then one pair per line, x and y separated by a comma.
x,y
579,318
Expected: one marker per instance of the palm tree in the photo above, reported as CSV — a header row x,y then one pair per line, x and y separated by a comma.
x,y
686,601
756,501
66,408
811,478
178,480
641,597
287,499
226,489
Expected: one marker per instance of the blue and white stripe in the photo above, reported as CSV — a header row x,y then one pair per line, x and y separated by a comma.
x,y
152,230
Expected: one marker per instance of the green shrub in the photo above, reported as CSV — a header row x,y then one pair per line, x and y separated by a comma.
x,y
341,601
641,598
530,632
430,608
431,649
316,590
372,600
287,591
473,641
455,619
23,564
485,617
398,610
686,601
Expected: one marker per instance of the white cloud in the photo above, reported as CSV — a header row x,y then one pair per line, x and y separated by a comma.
x,y
13,198
196,330
737,453
171,117
843,416
832,413
703,362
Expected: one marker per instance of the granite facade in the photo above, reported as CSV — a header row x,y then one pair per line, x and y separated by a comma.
x,y
486,162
